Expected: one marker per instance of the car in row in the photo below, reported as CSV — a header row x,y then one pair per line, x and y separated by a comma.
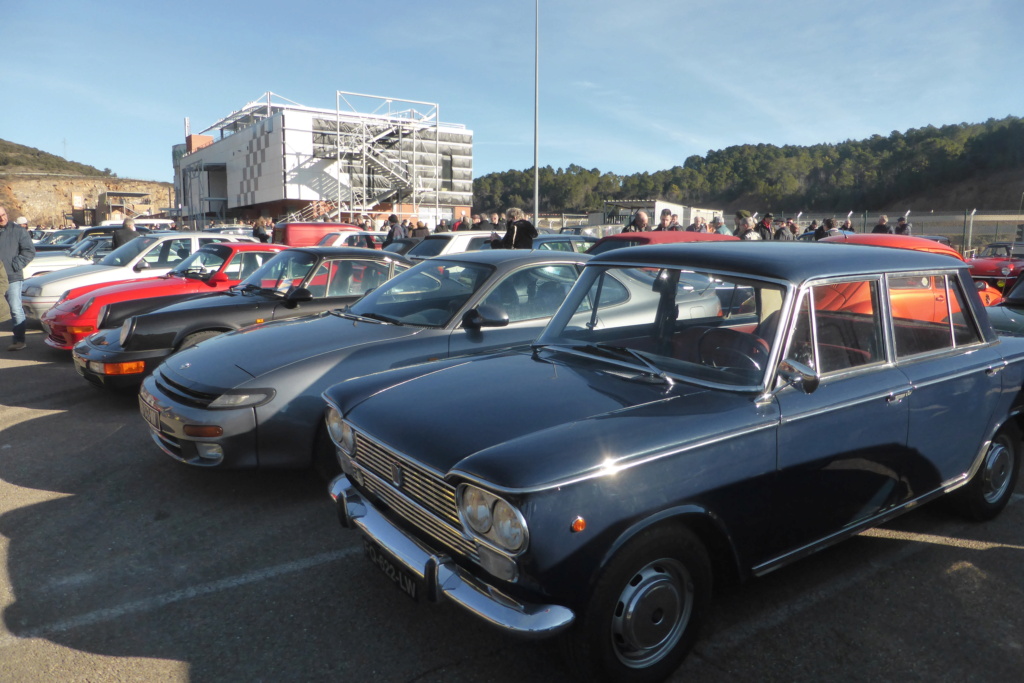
x,y
148,255
598,486
216,267
87,251
296,282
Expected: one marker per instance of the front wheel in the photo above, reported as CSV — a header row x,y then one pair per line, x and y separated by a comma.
x,y
646,609
990,488
196,337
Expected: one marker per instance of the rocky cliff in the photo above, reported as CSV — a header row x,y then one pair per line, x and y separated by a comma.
x,y
46,198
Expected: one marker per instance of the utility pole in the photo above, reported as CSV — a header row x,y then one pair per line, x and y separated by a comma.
x,y
536,116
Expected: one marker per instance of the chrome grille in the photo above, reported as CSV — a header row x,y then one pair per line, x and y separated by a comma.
x,y
424,499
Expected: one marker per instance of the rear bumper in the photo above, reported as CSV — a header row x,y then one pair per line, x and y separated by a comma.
x,y
442,577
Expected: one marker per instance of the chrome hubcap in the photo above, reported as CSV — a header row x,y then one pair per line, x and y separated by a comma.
x,y
996,475
652,612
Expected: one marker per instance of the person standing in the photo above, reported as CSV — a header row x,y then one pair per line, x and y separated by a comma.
x,y
16,252
396,230
883,226
520,232
638,224
764,228
902,226
784,233
125,234
259,230
718,226
665,223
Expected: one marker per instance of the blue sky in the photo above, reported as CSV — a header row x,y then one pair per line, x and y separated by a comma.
x,y
624,87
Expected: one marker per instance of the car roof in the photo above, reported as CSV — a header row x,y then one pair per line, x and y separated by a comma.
x,y
897,241
496,256
245,246
668,236
359,252
788,261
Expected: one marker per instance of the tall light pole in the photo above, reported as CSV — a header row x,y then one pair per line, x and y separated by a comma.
x,y
536,115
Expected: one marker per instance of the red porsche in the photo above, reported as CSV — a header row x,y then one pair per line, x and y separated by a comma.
x,y
213,268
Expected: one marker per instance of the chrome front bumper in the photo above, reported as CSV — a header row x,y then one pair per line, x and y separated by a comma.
x,y
442,577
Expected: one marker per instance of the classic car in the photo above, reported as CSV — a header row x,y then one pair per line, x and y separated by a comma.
x,y
145,256
296,282
635,239
599,486
84,252
448,306
440,243
214,268
999,264
989,295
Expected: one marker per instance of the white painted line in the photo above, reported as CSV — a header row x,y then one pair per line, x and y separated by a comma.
x,y
156,602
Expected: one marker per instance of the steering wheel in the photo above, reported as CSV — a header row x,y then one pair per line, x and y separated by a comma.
x,y
726,357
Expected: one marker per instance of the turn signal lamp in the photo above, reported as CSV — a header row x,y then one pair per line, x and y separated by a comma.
x,y
204,431
81,329
132,368
578,525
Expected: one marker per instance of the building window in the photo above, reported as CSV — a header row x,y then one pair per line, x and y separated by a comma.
x,y
447,175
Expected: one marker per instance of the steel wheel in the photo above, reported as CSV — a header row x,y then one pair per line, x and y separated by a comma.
x,y
652,612
989,490
997,469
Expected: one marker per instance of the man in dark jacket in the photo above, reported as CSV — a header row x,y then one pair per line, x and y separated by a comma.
x,y
520,232
125,234
16,252
764,228
883,226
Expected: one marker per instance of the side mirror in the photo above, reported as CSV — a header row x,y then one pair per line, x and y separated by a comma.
x,y
140,266
799,375
486,315
297,296
219,276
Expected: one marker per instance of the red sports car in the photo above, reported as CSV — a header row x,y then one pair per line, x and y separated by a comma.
x,y
999,264
214,268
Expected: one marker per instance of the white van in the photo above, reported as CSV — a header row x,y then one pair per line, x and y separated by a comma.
x,y
146,222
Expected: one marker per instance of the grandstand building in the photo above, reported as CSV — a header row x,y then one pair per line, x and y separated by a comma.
x,y
368,156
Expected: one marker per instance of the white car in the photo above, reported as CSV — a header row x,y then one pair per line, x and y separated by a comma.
x,y
146,256
82,253
351,238
440,243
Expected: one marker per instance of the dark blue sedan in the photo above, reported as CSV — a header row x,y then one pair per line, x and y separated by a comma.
x,y
597,486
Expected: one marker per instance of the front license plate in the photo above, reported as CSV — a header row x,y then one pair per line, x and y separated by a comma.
x,y
150,414
405,581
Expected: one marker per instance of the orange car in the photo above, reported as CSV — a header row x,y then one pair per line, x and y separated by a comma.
x,y
990,296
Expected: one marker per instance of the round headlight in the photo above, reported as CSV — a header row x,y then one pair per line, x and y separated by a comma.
x,y
476,505
509,531
1006,270
126,332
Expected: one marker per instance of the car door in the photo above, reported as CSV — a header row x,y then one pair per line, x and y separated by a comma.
x,y
842,451
529,296
956,383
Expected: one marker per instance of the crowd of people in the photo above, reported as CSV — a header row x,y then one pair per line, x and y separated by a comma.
x,y
748,227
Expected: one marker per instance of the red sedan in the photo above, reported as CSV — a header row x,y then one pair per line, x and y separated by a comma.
x,y
214,268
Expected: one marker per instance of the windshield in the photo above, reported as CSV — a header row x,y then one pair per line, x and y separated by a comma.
x,y
124,254
281,273
430,293
708,327
86,247
1002,251
430,246
204,262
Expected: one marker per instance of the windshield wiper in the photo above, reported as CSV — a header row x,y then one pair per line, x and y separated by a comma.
x,y
620,351
368,316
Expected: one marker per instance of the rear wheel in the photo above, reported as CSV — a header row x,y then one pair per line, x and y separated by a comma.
x,y
646,609
990,488
196,337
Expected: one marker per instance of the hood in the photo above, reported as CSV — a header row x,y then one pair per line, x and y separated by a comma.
x,y
267,347
146,286
1007,317
556,421
67,273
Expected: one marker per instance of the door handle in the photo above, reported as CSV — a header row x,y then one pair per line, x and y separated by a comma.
x,y
897,397
995,369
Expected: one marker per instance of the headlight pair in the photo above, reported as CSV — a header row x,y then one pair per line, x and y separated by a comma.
x,y
492,518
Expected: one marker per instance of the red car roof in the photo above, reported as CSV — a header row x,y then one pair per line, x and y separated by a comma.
x,y
898,242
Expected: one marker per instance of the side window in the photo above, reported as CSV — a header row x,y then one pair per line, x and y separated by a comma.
x,y
533,292
347,277
838,327
169,253
934,321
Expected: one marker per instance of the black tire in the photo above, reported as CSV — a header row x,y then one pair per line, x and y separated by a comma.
x,y
989,490
196,337
645,611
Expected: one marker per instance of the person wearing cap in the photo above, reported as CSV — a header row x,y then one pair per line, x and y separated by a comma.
x,y
718,225
16,252
745,228
902,226
764,228
784,231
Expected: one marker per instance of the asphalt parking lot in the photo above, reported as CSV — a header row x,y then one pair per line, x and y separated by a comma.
x,y
120,564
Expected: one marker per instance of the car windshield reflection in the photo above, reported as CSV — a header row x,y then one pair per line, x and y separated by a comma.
x,y
708,327
430,294
286,270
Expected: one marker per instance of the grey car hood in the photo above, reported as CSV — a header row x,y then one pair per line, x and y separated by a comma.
x,y
264,348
